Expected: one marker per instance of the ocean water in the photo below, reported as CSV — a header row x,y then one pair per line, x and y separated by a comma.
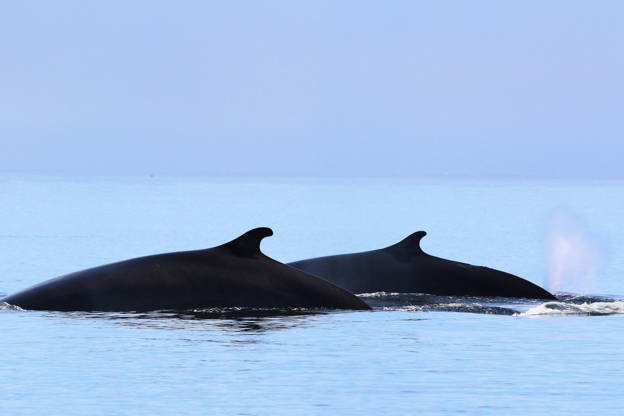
x,y
413,354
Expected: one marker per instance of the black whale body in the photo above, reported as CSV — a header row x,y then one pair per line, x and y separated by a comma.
x,y
235,274
405,268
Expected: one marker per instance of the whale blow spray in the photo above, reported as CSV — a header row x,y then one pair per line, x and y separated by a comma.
x,y
572,256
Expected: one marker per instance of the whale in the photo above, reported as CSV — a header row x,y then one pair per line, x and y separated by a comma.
x,y
234,274
405,268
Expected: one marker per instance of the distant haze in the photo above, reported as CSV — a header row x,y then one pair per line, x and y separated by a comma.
x,y
319,88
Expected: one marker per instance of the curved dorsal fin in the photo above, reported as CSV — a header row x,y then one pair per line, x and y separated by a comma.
x,y
249,243
411,243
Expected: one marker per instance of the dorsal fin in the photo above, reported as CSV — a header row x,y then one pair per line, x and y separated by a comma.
x,y
411,243
249,243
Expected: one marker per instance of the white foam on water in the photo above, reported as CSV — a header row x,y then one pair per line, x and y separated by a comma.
x,y
408,308
561,308
453,307
378,294
8,307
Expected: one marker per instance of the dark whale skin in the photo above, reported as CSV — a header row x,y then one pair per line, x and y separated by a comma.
x,y
235,274
405,268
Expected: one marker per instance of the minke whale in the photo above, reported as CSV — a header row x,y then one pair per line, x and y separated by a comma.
x,y
404,267
235,274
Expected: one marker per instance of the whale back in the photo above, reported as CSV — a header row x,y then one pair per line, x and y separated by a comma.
x,y
232,274
405,268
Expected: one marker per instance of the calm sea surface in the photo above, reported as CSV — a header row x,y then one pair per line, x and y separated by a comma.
x,y
412,354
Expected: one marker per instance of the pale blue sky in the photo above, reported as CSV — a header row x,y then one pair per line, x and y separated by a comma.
x,y
313,89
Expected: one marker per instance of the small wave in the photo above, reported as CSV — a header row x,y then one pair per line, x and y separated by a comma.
x,y
586,308
203,313
455,307
578,298
566,304
381,294
8,307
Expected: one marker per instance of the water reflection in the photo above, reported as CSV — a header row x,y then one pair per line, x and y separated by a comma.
x,y
262,320
420,302
566,304
386,299
239,320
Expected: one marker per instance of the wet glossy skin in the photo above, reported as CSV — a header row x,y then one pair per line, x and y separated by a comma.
x,y
405,268
230,275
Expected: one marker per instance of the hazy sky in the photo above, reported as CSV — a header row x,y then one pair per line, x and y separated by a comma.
x,y
313,88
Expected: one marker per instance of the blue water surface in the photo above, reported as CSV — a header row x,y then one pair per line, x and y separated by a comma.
x,y
410,355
